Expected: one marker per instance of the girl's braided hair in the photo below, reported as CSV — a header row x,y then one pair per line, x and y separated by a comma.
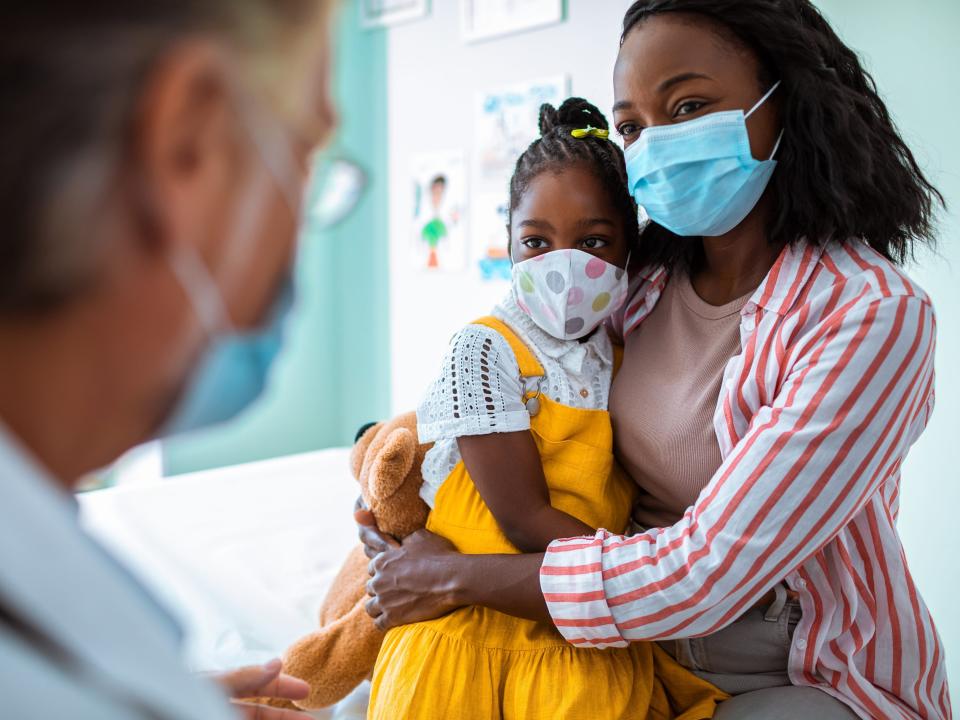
x,y
557,149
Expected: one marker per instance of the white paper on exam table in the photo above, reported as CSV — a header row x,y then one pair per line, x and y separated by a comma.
x,y
243,556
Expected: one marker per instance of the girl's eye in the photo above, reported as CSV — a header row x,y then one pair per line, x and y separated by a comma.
x,y
687,108
595,243
534,243
628,130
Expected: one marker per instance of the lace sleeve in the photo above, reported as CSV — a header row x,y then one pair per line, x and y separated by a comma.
x,y
478,391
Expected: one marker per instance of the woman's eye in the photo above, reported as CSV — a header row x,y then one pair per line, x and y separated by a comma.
x,y
626,130
687,108
534,243
595,243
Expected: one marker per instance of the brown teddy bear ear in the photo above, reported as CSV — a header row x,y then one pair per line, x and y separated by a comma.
x,y
359,451
392,464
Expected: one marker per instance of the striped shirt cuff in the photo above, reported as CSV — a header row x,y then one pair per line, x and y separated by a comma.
x,y
571,580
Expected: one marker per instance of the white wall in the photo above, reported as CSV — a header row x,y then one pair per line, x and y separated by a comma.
x,y
432,81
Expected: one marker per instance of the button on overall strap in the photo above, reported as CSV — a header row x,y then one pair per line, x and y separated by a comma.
x,y
530,367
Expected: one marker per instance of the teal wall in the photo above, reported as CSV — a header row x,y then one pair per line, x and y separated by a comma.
x,y
913,52
334,373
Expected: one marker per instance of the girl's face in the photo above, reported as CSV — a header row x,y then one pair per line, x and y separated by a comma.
x,y
674,68
567,210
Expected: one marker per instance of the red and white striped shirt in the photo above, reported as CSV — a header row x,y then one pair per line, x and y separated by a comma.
x,y
833,385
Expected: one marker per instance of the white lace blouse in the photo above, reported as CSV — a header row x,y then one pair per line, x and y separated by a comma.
x,y
479,390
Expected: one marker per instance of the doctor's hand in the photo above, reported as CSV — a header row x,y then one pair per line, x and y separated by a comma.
x,y
263,682
411,581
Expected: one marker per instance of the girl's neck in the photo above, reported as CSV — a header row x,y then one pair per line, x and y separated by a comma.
x,y
734,264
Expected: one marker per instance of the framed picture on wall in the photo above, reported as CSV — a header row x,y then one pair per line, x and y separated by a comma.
x,y
439,201
485,19
382,13
505,124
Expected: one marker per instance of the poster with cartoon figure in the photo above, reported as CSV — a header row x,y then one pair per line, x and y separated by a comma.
x,y
506,123
438,242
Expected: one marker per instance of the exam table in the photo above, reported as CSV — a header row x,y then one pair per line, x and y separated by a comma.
x,y
242,555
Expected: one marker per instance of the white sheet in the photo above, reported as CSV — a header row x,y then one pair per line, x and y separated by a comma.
x,y
243,556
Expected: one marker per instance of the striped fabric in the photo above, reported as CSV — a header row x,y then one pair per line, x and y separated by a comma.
x,y
833,385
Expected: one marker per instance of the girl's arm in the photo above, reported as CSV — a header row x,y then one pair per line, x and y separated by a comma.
x,y
506,469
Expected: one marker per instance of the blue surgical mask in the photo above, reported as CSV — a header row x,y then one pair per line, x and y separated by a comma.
x,y
235,366
234,369
699,178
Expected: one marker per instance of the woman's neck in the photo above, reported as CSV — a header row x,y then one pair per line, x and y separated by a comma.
x,y
734,264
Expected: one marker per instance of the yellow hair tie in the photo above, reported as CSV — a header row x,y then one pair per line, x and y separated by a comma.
x,y
590,131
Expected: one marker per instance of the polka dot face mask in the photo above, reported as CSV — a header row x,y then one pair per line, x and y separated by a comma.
x,y
568,293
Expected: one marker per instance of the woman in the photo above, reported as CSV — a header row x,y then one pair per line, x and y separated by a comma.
x,y
153,159
778,367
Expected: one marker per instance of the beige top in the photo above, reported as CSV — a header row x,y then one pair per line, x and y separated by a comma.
x,y
664,397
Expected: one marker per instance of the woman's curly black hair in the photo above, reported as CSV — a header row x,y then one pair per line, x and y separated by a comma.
x,y
843,169
556,148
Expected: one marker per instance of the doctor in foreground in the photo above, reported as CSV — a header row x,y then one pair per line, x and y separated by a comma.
x,y
154,155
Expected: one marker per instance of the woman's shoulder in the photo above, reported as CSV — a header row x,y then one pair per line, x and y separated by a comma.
x,y
814,281
852,293
858,269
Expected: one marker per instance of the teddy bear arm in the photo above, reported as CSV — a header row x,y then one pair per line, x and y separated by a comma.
x,y
335,659
348,587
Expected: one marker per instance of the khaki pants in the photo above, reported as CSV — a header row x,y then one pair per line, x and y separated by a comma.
x,y
748,659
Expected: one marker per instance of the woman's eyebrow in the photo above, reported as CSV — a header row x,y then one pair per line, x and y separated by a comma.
x,y
663,87
682,77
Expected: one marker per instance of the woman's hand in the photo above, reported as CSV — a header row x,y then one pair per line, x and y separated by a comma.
x,y
266,682
410,581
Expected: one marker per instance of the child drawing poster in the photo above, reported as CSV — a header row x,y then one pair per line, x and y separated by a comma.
x,y
438,234
507,122
490,233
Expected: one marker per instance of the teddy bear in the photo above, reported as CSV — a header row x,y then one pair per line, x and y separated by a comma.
x,y
386,461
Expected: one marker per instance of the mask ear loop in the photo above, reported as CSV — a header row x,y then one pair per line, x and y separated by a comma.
x,y
776,146
760,102
200,287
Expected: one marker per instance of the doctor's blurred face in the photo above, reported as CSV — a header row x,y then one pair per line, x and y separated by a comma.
x,y
165,131
227,156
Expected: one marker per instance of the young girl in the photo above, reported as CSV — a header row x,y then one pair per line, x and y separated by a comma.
x,y
524,455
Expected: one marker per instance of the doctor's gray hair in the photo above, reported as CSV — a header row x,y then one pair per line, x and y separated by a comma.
x,y
71,74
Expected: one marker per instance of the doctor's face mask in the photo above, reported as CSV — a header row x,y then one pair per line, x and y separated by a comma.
x,y
235,366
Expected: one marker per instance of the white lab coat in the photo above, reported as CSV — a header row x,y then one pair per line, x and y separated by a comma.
x,y
79,637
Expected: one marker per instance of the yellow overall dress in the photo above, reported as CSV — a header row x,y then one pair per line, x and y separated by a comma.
x,y
479,664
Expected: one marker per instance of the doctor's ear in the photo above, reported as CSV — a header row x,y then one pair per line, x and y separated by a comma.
x,y
187,142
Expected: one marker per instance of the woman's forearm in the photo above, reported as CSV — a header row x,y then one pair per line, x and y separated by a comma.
x,y
507,583
425,577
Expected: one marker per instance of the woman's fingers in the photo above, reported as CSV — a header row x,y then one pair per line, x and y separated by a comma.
x,y
372,606
249,711
374,542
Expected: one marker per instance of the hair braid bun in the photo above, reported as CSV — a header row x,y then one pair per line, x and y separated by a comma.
x,y
577,113
549,119
573,113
